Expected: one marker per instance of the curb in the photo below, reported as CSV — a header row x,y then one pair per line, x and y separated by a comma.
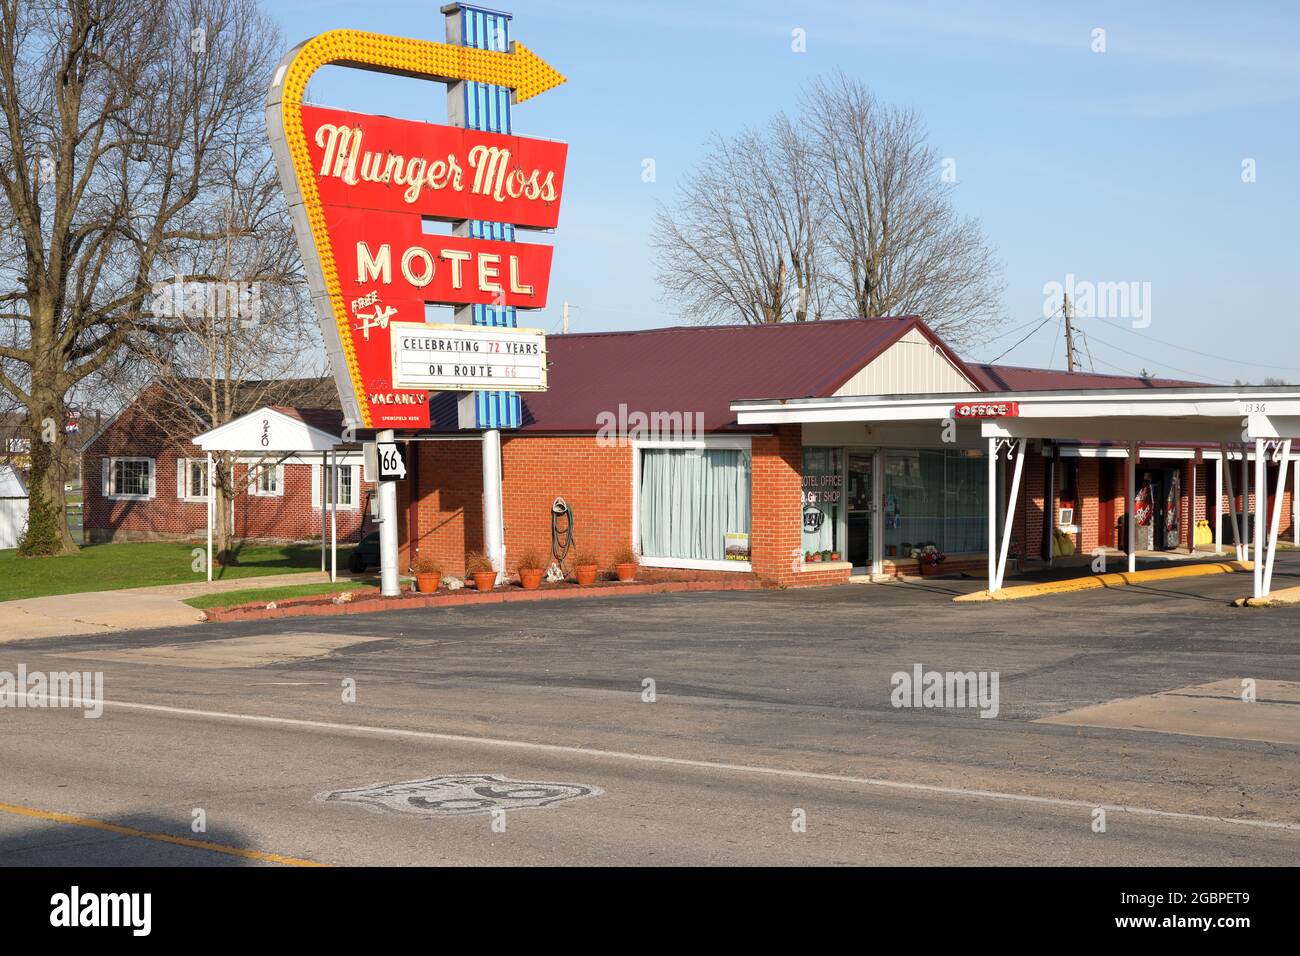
x,y
1115,580
502,596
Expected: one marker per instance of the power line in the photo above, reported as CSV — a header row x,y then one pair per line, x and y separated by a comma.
x,y
1025,339
1184,348
1174,368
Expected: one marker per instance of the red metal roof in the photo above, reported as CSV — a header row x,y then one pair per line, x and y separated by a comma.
x,y
1011,378
692,369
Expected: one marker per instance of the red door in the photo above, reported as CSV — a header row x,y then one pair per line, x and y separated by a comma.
x,y
1106,502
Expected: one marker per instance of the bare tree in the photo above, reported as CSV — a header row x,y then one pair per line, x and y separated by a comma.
x,y
842,212
743,240
116,119
898,246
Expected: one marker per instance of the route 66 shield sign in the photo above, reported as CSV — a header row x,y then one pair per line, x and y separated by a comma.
x,y
460,794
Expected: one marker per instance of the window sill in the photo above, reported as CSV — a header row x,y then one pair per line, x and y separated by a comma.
x,y
826,566
693,564
128,497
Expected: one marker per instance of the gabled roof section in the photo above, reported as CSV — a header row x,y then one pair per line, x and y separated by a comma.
x,y
269,430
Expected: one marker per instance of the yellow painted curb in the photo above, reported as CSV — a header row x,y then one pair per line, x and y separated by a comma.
x,y
1282,597
1116,580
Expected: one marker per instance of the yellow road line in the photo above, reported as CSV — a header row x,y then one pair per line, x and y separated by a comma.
x,y
55,817
1115,580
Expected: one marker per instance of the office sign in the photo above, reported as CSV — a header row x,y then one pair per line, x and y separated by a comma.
x,y
987,410
468,357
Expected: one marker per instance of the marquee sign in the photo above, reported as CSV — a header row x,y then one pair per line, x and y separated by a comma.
x,y
460,357
987,410
360,189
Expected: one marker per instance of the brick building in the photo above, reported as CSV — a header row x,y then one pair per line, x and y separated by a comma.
x,y
640,435
146,481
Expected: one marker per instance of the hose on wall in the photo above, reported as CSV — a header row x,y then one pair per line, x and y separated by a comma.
x,y
561,530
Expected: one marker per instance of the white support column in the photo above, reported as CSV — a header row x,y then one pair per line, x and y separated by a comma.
x,y
1237,535
1218,501
1276,524
1189,519
1130,493
334,515
211,513
993,512
493,526
1011,509
389,583
1261,499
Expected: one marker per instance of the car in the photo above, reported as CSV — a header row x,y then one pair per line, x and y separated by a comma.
x,y
365,554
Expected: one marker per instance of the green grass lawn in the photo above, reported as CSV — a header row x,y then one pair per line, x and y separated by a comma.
x,y
109,567
263,595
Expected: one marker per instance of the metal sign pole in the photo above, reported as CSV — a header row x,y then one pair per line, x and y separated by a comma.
x,y
389,586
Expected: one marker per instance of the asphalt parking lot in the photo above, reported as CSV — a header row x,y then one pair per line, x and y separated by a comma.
x,y
736,727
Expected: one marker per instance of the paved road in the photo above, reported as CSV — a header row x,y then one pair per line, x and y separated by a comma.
x,y
765,704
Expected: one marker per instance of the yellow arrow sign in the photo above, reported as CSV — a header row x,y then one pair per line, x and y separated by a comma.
x,y
520,70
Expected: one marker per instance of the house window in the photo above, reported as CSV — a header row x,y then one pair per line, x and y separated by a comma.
x,y
194,478
692,503
344,477
129,478
269,482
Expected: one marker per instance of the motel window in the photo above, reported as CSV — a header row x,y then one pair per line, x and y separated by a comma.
x,y
937,497
821,499
694,504
343,475
128,478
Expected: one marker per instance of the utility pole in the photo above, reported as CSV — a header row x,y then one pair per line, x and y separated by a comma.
x,y
564,312
1069,333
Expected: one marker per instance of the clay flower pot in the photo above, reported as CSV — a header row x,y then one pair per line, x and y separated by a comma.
x,y
586,574
485,580
625,572
428,582
530,578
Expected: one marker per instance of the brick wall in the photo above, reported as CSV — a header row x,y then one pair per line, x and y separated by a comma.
x,y
776,545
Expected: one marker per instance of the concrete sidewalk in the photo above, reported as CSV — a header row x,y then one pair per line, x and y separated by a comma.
x,y
106,612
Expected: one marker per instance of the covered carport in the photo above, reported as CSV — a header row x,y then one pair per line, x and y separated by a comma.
x,y
271,435
1247,424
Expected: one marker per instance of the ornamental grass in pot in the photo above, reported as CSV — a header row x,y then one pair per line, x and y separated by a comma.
x,y
585,568
478,567
625,564
531,569
428,576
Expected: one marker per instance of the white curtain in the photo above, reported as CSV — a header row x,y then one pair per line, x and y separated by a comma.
x,y
690,501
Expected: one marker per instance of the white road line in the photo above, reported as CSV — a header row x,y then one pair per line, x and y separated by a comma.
x,y
780,772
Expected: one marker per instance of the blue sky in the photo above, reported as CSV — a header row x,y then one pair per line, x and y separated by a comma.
x,y
1122,166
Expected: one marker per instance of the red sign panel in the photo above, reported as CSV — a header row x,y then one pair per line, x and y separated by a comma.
x,y
390,252
987,410
443,172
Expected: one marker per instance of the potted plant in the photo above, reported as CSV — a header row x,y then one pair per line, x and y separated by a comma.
x,y
428,576
478,567
928,558
531,568
835,555
625,563
585,568
826,554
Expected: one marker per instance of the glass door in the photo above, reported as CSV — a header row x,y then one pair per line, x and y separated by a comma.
x,y
858,508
